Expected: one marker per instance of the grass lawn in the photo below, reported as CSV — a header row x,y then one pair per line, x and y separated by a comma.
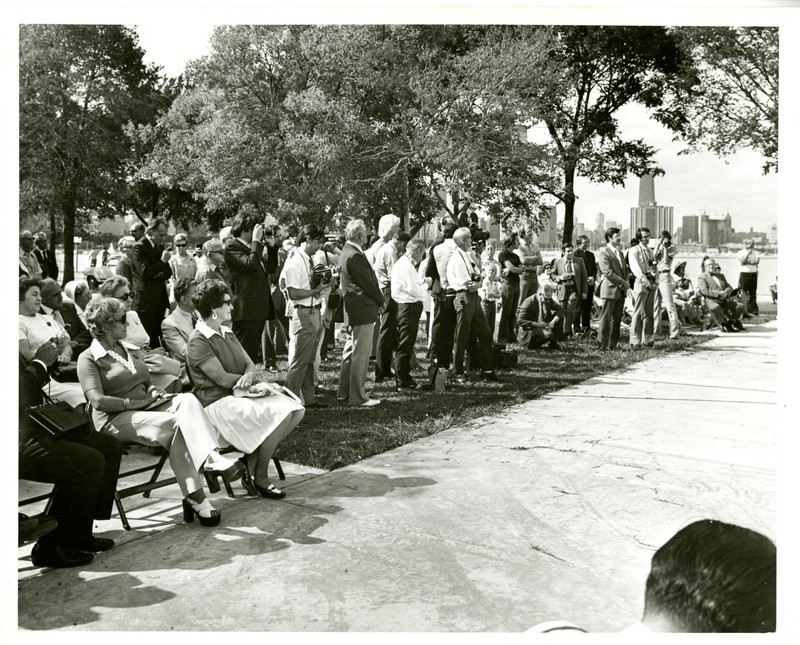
x,y
329,438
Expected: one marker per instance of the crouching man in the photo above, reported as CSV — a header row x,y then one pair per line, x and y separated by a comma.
x,y
541,320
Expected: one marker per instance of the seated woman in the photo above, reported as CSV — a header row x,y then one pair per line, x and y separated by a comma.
x,y
218,365
126,405
687,300
165,372
35,329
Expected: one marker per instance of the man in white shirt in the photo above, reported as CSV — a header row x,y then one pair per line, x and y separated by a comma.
x,y
464,278
305,325
408,291
28,264
387,331
664,254
748,275
642,264
444,316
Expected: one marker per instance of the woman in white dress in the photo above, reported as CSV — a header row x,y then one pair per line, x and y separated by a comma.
x,y
249,413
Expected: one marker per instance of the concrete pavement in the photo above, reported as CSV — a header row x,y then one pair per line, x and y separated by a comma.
x,y
550,510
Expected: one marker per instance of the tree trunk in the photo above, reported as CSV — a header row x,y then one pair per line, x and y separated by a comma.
x,y
406,206
569,201
68,212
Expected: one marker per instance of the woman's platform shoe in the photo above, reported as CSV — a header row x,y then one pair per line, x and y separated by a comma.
x,y
233,472
190,512
270,492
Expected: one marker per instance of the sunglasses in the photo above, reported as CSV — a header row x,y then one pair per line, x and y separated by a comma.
x,y
122,319
180,244
124,296
227,302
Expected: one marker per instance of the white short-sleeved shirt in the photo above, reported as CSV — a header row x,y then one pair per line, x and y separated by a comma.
x,y
37,330
297,273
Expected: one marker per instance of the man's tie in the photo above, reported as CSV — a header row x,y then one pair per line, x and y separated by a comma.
x,y
194,320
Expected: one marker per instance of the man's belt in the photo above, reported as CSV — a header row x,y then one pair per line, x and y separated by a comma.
x,y
451,293
664,271
317,306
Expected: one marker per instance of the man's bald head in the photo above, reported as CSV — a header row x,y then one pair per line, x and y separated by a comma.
x,y
51,294
463,238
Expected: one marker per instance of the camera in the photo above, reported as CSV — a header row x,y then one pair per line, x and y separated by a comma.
x,y
475,276
321,275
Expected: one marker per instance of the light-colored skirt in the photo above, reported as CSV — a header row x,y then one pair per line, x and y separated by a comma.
x,y
244,422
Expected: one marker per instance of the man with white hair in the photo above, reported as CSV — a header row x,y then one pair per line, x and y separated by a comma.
x,y
388,226
408,291
363,301
28,264
385,258
464,278
212,264
125,262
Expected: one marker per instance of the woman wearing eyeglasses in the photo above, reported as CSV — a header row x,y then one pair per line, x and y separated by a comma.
x,y
125,403
250,413
182,263
164,371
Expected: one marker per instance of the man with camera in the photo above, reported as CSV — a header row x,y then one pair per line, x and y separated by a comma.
x,y
664,294
249,272
305,286
464,278
643,267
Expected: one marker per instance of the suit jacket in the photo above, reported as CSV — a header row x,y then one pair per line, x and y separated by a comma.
x,y
531,311
77,330
47,261
579,270
204,272
613,273
151,276
175,329
363,297
639,258
126,270
249,274
32,376
708,287
589,261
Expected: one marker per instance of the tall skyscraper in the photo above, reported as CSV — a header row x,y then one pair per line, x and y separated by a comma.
x,y
648,214
548,236
600,221
691,229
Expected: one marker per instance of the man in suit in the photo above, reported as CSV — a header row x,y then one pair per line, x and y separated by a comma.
x,y
28,264
726,310
643,267
85,467
137,231
541,320
151,266
249,269
385,258
583,322
45,257
125,262
53,305
614,286
363,300
176,327
572,285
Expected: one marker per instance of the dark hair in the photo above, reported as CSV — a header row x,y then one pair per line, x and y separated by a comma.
x,y
182,287
641,230
209,295
372,239
666,234
26,284
582,238
448,230
611,232
508,240
403,237
714,577
310,232
567,245
634,241
244,220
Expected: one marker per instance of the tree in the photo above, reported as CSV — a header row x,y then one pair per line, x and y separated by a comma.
x,y
734,98
79,86
602,69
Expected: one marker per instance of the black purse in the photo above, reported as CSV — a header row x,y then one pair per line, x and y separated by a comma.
x,y
58,419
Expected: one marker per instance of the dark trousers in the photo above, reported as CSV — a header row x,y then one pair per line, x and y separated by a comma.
x,y
471,321
508,313
85,469
585,316
443,331
151,321
748,283
408,315
610,320
279,327
387,340
249,334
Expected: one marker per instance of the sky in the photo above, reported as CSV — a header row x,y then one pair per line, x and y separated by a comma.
x,y
693,184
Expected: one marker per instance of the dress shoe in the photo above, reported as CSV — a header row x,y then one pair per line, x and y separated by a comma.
x,y
729,326
32,528
738,324
270,492
59,556
91,544
489,376
369,403
207,514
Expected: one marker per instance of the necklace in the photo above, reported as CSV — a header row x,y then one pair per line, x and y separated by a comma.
x,y
127,362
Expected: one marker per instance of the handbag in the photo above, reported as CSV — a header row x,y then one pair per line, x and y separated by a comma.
x,y
58,419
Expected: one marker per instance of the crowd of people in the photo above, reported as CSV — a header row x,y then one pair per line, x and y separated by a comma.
x,y
172,349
